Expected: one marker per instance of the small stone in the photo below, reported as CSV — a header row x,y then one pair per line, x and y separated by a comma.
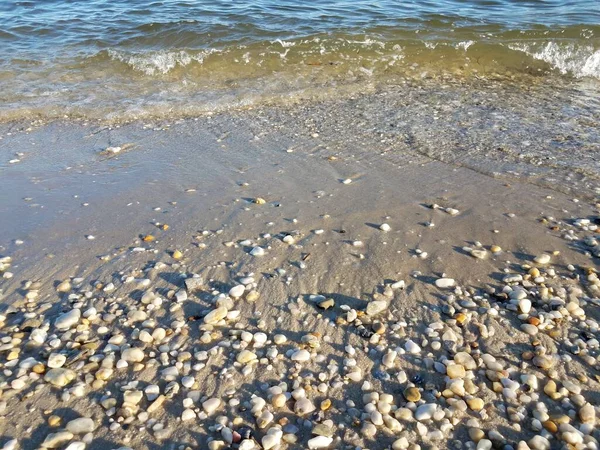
x,y
177,254
56,440
319,442
215,315
412,394
56,360
542,259
245,356
476,404
587,413
543,361
444,283
411,347
67,320
385,227
81,426
455,371
59,377
425,411
65,286
303,406
301,355
479,253
132,354
525,305
54,421
211,405
375,307
257,251
237,291
188,414
326,304
259,201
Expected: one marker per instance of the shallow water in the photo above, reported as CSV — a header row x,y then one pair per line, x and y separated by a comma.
x,y
125,59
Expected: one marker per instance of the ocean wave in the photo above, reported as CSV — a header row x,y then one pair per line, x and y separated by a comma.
x,y
159,62
569,58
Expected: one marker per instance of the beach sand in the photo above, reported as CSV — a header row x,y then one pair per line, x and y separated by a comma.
x,y
311,185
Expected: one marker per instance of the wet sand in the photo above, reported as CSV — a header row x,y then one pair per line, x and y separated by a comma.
x,y
330,175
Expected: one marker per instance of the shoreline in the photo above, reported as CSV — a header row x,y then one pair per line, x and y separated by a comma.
x,y
349,165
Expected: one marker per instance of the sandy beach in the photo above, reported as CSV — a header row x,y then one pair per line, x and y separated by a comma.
x,y
410,268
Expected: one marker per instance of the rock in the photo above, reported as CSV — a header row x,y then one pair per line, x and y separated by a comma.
x,y
193,284
455,371
412,347
55,440
479,253
319,442
543,361
81,426
385,227
444,283
412,394
245,356
425,411
257,251
156,404
303,406
400,444
237,291
59,377
215,315
542,259
65,286
587,413
301,355
375,307
132,354
77,445
539,443
465,360
326,304
56,360
525,305
67,320
211,405
476,404
188,414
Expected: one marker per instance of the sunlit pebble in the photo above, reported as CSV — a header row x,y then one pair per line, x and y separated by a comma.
x,y
385,227
89,237
19,242
157,208
347,181
14,161
85,204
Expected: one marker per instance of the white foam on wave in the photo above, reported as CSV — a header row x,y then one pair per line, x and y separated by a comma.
x,y
569,58
464,45
159,62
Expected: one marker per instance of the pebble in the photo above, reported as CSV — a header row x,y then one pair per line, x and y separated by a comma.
x,y
211,405
81,426
132,354
385,227
425,411
216,315
412,347
444,283
542,259
67,320
237,291
319,442
59,377
375,307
